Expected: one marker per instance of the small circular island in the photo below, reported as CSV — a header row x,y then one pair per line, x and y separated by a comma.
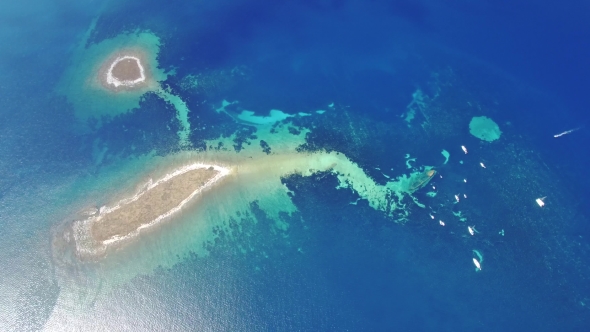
x,y
124,71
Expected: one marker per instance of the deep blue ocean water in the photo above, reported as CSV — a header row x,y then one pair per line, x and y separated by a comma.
x,y
340,266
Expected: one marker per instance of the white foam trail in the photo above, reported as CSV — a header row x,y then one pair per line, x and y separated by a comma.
x,y
567,132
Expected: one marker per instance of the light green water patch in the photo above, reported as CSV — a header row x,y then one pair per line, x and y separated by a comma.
x,y
387,198
409,160
484,128
459,215
478,254
224,104
421,205
409,116
273,116
80,83
446,154
355,202
181,114
250,117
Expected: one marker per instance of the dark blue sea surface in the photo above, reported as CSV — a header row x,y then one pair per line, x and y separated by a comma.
x,y
340,264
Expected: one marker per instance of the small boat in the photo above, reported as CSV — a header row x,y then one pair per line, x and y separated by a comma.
x,y
477,265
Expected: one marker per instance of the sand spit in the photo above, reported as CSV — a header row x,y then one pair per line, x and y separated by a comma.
x,y
158,200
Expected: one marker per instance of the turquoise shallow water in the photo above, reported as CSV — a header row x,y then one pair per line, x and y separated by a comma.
x,y
321,227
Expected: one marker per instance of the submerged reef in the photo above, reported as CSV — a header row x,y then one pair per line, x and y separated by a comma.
x,y
226,182
484,128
